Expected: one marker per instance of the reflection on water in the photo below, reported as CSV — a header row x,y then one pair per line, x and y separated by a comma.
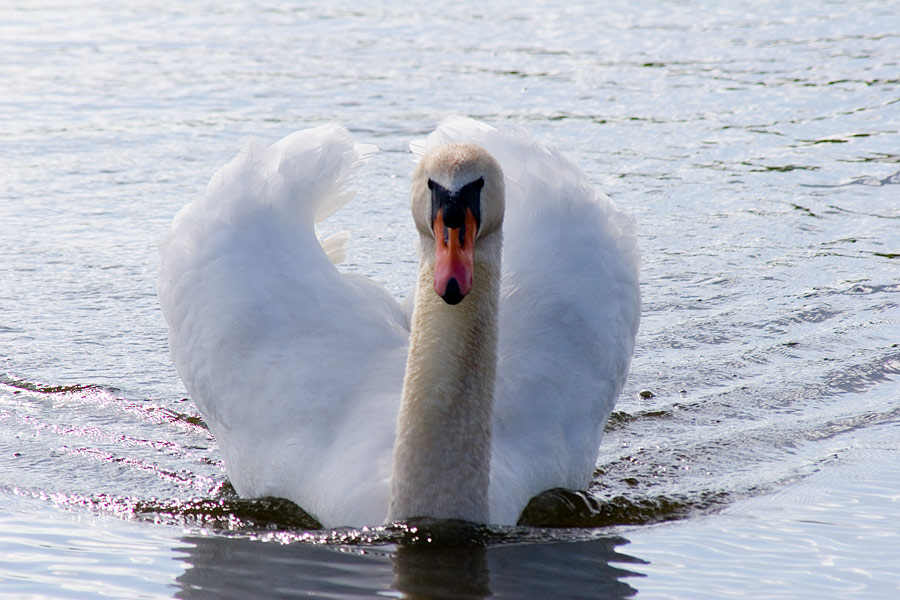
x,y
222,567
421,572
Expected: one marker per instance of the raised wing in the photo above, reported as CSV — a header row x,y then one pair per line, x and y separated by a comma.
x,y
569,314
296,367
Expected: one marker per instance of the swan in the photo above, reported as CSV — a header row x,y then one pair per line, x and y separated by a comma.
x,y
489,385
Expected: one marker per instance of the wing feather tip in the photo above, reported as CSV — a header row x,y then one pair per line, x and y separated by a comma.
x,y
335,246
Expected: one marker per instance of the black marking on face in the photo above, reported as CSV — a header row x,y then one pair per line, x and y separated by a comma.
x,y
453,206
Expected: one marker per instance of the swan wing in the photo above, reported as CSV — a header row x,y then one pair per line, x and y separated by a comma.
x,y
296,367
569,314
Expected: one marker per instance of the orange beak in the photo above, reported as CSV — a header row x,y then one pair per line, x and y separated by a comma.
x,y
454,258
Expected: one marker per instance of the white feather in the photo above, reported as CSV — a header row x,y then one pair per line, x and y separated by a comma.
x,y
335,246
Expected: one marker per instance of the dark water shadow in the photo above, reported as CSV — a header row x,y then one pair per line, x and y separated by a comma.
x,y
228,567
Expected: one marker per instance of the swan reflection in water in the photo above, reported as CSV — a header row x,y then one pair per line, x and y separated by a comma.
x,y
222,567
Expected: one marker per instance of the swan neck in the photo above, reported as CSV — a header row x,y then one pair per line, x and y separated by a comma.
x,y
442,452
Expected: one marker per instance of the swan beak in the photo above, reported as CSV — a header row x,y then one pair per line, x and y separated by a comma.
x,y
454,258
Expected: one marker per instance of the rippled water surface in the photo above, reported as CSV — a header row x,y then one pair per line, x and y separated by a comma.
x,y
754,452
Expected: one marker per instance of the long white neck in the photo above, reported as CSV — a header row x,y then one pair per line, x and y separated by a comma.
x,y
442,454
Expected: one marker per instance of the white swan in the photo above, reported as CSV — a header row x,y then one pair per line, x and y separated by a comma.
x,y
301,371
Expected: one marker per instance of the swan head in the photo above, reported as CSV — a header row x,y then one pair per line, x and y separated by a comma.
x,y
457,205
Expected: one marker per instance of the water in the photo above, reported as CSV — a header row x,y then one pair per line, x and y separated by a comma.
x,y
758,147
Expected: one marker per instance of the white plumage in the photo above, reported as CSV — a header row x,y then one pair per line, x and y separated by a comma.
x,y
298,368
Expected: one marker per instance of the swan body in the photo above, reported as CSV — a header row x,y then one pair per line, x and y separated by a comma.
x,y
321,388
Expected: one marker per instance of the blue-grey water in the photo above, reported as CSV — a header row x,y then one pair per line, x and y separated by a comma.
x,y
756,449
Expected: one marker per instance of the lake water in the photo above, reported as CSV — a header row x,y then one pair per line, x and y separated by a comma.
x,y
756,449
